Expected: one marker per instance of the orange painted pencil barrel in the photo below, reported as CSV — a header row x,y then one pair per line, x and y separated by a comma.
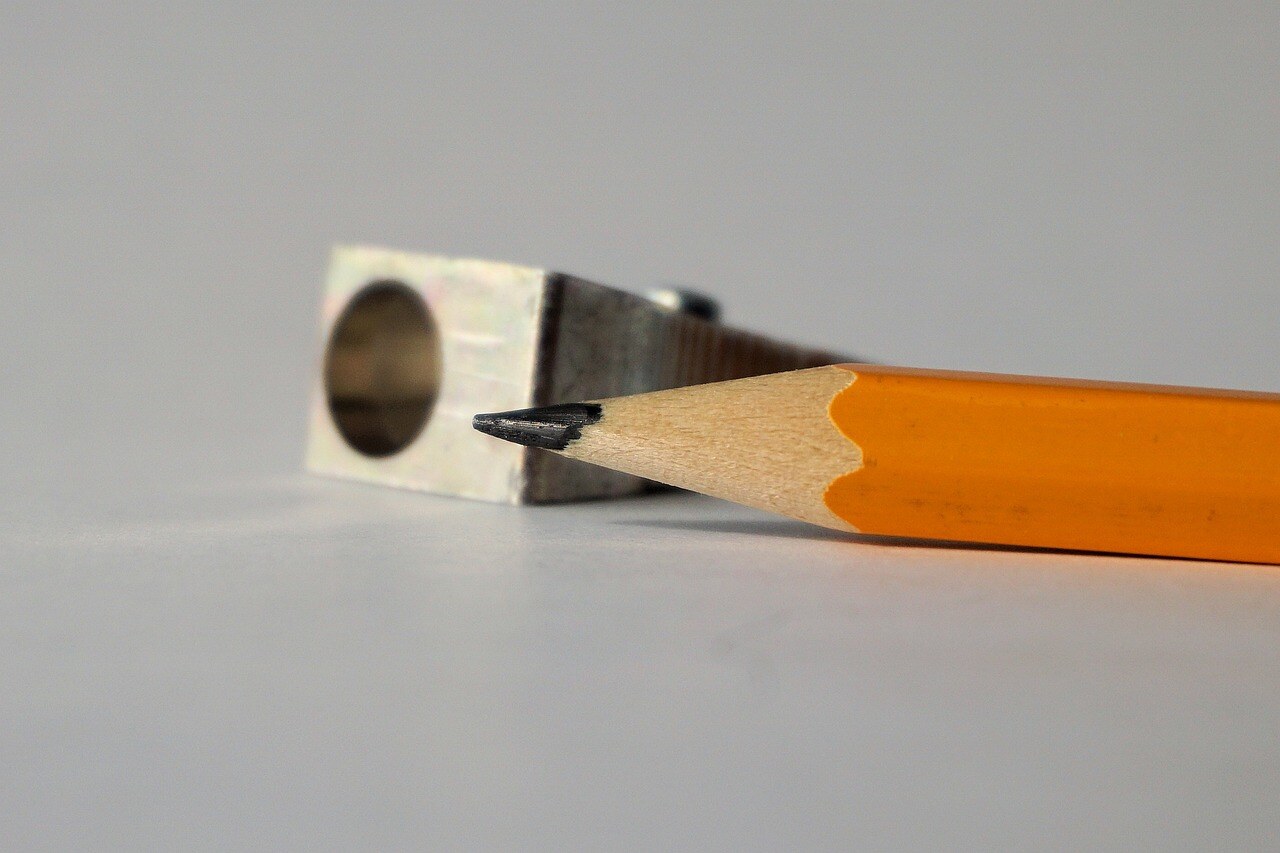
x,y
1061,463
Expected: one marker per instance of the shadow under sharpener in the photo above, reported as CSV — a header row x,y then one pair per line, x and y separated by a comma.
x,y
415,345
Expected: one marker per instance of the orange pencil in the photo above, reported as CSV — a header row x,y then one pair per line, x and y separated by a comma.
x,y
1015,460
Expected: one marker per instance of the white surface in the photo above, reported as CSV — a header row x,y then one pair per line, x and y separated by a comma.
x,y
287,662
201,647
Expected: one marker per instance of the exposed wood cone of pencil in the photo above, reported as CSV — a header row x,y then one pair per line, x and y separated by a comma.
x,y
1015,460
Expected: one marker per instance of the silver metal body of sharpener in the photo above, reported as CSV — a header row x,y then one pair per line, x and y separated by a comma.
x,y
415,345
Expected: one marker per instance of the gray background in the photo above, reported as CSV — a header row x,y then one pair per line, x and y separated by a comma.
x,y
202,647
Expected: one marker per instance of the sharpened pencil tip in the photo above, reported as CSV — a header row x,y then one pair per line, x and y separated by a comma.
x,y
548,427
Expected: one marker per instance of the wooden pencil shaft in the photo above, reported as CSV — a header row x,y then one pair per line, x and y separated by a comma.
x,y
970,457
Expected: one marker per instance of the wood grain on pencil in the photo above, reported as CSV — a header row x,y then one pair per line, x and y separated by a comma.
x,y
970,457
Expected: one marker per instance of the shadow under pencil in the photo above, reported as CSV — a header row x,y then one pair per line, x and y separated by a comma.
x,y
788,529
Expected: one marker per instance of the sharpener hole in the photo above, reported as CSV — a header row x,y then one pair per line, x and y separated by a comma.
x,y
382,369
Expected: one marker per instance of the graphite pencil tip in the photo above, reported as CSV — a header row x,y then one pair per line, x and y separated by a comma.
x,y
548,427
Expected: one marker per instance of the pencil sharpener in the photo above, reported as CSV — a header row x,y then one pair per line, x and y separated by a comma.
x,y
414,345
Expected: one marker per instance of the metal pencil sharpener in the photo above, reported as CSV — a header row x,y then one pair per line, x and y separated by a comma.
x,y
414,345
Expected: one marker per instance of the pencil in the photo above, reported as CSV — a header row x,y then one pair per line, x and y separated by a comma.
x,y
971,457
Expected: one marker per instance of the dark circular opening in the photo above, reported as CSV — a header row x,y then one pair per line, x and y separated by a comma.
x,y
382,369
